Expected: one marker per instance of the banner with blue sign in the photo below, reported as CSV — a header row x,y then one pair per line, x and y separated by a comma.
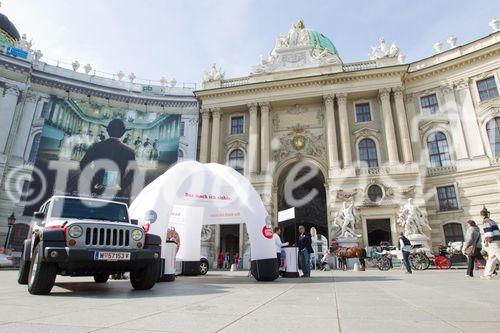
x,y
18,53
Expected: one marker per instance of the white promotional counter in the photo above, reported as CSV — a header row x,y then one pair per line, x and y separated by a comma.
x,y
291,265
191,194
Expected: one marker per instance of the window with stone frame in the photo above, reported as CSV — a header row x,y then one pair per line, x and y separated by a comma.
x,y
493,130
237,160
453,232
447,198
368,153
487,88
363,113
45,110
182,128
429,104
34,148
439,153
237,123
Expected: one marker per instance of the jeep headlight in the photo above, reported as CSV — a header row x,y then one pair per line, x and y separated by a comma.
x,y
75,231
137,234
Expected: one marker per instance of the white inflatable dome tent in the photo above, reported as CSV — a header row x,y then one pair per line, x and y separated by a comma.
x,y
191,194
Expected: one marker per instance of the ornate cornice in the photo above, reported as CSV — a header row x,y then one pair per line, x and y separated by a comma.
x,y
319,81
451,65
125,97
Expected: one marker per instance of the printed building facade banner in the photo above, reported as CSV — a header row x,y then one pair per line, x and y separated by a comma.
x,y
101,151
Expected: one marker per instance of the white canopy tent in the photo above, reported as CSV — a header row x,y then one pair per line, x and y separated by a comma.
x,y
191,194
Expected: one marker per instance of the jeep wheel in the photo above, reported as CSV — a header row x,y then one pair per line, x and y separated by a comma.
x,y
42,275
145,278
101,278
23,273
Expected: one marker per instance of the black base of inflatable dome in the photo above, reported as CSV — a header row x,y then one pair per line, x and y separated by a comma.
x,y
265,269
191,267
290,274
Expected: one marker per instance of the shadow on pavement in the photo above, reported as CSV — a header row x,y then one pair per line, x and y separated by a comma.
x,y
210,284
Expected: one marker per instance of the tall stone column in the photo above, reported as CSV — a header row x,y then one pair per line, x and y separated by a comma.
x,y
8,107
390,134
253,139
471,126
264,137
403,125
204,140
23,131
345,135
455,122
214,150
331,136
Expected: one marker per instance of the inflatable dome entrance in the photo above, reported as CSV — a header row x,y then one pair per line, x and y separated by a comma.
x,y
192,194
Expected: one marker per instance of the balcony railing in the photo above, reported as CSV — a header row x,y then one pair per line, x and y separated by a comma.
x,y
443,170
359,66
376,171
239,81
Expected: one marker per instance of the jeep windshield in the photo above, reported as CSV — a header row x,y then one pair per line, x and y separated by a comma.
x,y
89,209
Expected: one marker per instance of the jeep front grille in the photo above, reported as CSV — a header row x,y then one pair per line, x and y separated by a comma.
x,y
107,236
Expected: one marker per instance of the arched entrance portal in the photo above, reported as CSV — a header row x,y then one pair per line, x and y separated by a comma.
x,y
314,212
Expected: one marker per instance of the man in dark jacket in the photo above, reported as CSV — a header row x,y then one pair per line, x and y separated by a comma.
x,y
405,246
305,249
110,149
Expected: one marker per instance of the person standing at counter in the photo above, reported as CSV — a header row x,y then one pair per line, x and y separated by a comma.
x,y
305,249
278,244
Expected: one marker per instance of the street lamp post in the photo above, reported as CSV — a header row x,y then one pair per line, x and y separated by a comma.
x,y
10,222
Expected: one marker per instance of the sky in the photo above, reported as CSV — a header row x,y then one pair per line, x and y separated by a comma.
x,y
181,38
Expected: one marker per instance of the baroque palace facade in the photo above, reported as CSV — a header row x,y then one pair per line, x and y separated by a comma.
x,y
379,132
72,104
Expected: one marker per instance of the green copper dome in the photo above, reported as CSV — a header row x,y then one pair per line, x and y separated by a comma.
x,y
8,32
318,39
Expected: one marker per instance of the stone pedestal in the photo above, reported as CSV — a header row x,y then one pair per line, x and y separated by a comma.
x,y
416,239
347,241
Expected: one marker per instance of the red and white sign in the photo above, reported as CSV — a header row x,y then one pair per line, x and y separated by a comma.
x,y
267,232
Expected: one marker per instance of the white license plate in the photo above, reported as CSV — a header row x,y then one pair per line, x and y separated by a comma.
x,y
111,256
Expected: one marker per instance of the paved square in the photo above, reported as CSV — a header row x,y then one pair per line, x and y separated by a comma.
x,y
371,301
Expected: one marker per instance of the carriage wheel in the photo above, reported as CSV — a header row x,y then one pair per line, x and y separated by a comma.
x,y
384,264
419,261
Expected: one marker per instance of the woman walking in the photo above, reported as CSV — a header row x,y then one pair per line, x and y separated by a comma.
x,y
472,246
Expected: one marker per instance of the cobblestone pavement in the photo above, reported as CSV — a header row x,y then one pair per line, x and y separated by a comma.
x,y
371,301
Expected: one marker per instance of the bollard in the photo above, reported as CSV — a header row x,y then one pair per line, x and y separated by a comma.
x,y
356,267
234,268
